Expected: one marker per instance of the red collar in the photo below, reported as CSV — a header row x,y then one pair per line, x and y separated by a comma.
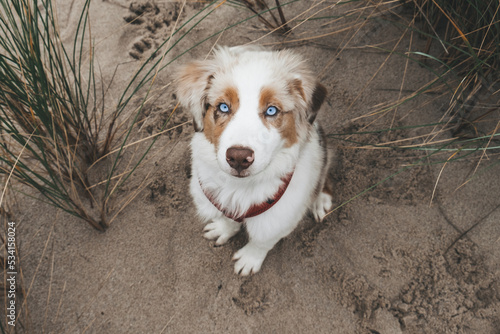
x,y
255,209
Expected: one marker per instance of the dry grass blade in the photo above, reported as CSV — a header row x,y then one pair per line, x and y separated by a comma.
x,y
53,122
466,72
262,7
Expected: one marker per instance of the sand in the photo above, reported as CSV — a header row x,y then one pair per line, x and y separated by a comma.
x,y
392,260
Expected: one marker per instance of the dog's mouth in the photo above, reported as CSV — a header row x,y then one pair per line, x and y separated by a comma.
x,y
240,174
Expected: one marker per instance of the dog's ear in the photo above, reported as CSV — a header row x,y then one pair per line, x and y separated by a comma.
x,y
316,101
192,82
312,94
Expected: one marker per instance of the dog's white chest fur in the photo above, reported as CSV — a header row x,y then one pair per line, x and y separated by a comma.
x,y
254,113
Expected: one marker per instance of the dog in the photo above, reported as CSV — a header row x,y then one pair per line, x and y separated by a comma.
x,y
259,159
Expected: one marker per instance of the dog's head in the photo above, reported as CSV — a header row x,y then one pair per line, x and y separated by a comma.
x,y
250,104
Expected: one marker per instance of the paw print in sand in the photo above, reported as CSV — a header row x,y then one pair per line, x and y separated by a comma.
x,y
155,21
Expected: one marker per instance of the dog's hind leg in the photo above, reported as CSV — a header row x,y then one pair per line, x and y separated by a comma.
x,y
323,203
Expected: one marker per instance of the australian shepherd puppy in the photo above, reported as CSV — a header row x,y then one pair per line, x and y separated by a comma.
x,y
259,160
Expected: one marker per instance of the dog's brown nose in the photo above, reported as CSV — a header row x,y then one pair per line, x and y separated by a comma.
x,y
239,158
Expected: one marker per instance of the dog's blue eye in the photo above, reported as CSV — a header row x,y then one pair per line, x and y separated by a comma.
x,y
271,111
223,107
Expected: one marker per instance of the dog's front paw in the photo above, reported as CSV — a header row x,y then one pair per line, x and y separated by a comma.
x,y
221,229
249,260
322,206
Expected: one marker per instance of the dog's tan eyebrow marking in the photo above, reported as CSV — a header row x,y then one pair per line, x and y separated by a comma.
x,y
215,121
267,97
231,96
284,121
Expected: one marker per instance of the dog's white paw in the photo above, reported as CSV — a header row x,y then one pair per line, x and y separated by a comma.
x,y
322,206
249,260
221,229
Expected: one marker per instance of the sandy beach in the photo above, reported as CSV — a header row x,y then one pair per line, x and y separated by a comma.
x,y
395,259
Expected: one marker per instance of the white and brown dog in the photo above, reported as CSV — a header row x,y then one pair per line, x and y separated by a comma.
x,y
258,157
